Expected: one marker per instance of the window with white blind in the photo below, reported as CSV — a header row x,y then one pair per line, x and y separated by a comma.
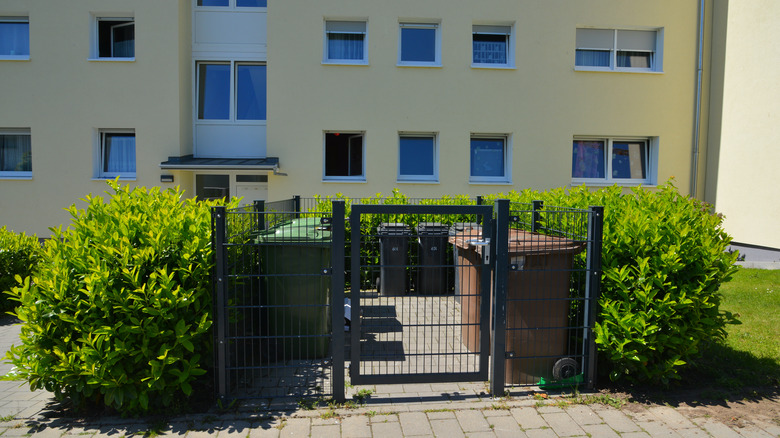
x,y
346,42
618,50
492,46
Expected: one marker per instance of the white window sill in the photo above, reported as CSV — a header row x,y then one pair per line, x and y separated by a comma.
x,y
490,182
604,183
346,62
618,70
344,180
15,58
417,181
111,178
419,64
494,66
16,177
111,59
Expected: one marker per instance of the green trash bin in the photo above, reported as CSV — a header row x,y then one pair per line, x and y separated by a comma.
x,y
296,291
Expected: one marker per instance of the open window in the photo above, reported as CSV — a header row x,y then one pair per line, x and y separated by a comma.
x,y
344,157
113,38
116,154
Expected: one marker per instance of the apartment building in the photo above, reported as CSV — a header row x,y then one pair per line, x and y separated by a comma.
x,y
268,99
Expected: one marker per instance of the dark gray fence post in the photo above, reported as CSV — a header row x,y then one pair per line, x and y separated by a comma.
x,y
337,286
501,272
592,285
220,266
297,205
536,216
259,208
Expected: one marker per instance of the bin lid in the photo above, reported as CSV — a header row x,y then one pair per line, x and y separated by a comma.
x,y
463,234
393,229
298,230
527,243
432,229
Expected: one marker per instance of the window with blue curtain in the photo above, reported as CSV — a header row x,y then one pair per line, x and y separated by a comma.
x,y
490,44
488,157
14,37
345,40
417,155
418,43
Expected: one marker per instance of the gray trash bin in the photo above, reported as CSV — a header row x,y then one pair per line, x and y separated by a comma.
x,y
432,273
393,257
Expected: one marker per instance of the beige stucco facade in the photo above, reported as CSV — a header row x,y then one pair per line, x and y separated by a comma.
x,y
539,102
63,97
745,120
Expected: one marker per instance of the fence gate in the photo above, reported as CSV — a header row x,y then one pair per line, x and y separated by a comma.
x,y
420,294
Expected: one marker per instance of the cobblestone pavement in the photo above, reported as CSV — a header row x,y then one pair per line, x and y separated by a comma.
x,y
447,409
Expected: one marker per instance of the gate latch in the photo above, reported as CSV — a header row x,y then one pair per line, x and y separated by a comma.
x,y
485,243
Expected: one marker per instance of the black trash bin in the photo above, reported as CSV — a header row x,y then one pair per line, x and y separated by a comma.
x,y
432,274
295,294
393,256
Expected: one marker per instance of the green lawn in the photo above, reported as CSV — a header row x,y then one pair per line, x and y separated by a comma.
x,y
750,356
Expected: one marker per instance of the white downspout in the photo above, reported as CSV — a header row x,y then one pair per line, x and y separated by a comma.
x,y
697,127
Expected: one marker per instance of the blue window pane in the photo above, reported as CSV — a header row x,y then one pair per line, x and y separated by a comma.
x,y
629,160
416,158
14,39
251,95
214,92
345,46
487,157
592,58
252,3
418,45
212,2
588,159
489,49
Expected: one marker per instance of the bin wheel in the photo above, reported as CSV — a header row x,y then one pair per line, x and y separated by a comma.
x,y
565,368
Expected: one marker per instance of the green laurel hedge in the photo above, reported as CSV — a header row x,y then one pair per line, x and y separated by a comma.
x,y
120,311
19,255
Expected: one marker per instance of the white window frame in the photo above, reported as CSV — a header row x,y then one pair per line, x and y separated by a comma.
x,y
17,174
656,54
14,57
232,5
507,178
94,51
436,26
495,29
348,178
651,161
432,178
100,155
233,98
336,61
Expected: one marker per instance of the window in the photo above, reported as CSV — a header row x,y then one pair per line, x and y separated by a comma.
x,y
237,3
419,44
14,38
617,49
115,38
611,160
116,154
345,42
210,187
417,158
492,46
233,91
344,156
15,153
489,159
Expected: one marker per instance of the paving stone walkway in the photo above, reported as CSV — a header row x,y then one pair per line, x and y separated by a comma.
x,y
443,410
